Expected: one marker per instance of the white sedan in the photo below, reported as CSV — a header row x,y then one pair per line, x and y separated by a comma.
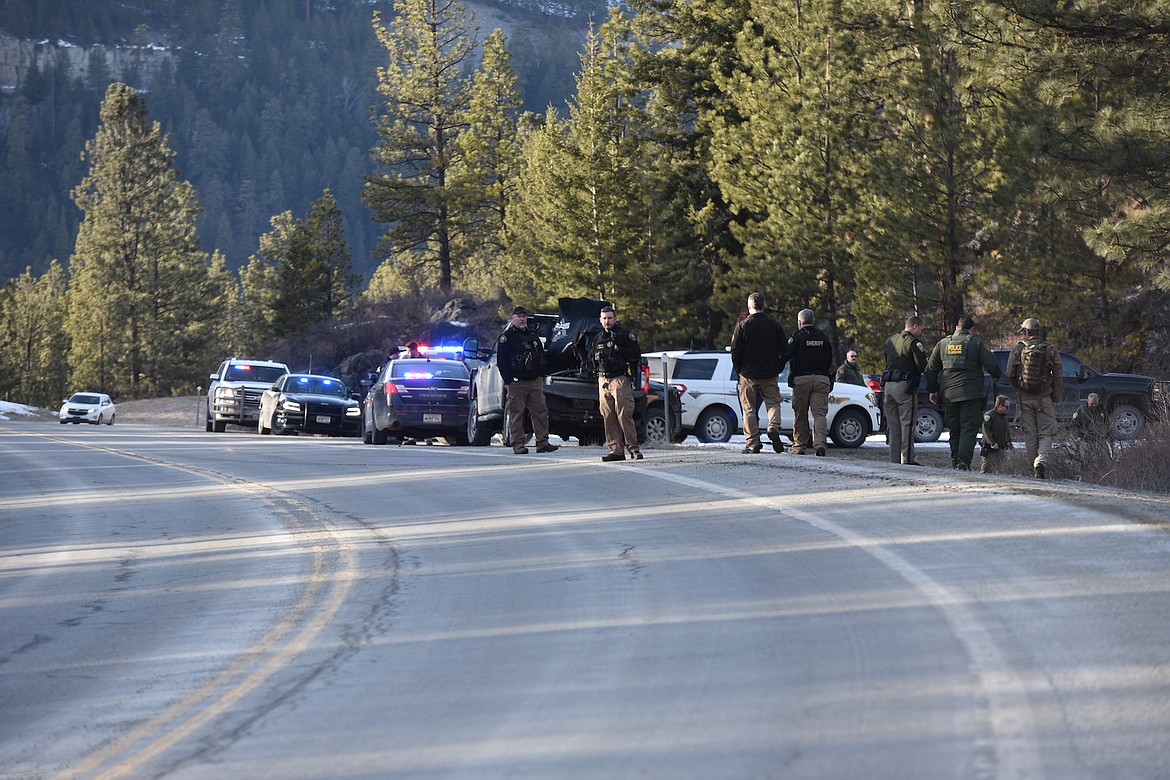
x,y
96,408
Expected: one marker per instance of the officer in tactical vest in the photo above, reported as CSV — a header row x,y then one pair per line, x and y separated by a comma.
x,y
520,359
617,357
1034,369
810,375
954,371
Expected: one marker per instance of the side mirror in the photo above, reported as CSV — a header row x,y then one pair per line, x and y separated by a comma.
x,y
213,377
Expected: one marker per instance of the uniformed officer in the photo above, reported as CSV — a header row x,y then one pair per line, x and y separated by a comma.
x,y
997,437
954,370
520,359
810,357
1037,403
617,356
905,363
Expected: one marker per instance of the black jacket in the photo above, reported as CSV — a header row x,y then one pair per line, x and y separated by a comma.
x,y
811,353
616,353
519,355
759,348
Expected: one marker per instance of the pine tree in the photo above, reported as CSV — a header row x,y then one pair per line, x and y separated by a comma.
x,y
302,274
575,228
429,46
789,155
136,270
34,347
486,177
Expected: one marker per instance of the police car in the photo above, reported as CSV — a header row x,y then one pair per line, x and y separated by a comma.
x,y
711,410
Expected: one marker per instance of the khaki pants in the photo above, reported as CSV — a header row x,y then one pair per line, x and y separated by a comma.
x,y
810,393
526,394
901,409
1038,423
751,393
616,396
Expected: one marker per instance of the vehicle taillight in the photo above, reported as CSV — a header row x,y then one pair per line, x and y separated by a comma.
x,y
463,392
875,385
681,388
391,389
645,377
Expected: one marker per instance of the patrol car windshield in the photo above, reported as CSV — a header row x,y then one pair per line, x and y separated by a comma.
x,y
243,372
316,385
427,369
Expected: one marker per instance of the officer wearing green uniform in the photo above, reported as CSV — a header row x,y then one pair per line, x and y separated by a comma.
x,y
905,364
997,437
954,371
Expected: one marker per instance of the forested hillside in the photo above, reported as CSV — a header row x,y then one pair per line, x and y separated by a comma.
x,y
267,104
243,161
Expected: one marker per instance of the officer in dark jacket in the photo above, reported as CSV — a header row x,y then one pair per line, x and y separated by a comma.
x,y
954,370
520,359
905,363
759,350
617,356
810,376
997,437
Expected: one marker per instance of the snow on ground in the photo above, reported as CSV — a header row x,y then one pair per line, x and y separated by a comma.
x,y
11,411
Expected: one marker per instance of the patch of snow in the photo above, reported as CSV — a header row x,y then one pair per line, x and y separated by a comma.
x,y
7,409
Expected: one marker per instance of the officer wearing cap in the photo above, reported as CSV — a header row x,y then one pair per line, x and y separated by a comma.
x,y
1034,369
616,355
520,360
954,370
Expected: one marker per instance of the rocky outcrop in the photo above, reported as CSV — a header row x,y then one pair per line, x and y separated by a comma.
x,y
17,57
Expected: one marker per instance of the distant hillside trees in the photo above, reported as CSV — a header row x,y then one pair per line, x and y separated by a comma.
x,y
33,342
139,293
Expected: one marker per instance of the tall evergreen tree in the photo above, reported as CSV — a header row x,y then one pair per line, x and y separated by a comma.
x,y
302,274
429,46
939,188
486,177
137,272
575,228
790,156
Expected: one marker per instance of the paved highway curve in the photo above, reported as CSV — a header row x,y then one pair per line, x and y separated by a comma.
x,y
189,605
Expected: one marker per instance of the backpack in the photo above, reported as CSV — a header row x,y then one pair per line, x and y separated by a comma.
x,y
1034,372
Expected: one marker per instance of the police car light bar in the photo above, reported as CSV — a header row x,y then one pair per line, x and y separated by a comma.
x,y
447,349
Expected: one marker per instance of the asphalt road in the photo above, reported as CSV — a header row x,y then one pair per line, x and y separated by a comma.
x,y
181,604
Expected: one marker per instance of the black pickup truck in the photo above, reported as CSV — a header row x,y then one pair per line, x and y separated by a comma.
x,y
570,388
1129,398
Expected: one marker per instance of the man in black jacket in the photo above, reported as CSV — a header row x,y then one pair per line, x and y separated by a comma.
x,y
759,350
811,378
520,359
617,356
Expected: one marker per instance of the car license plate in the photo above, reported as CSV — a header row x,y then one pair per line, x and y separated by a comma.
x,y
323,419
437,419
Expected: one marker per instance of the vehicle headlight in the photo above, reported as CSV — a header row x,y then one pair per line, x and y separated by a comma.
x,y
226,392
872,398
290,406
353,411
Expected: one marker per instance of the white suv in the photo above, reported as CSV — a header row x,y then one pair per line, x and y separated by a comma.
x,y
234,393
711,410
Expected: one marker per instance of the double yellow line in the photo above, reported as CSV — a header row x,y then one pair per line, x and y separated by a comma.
x,y
334,570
